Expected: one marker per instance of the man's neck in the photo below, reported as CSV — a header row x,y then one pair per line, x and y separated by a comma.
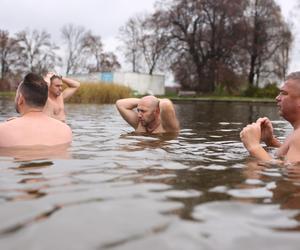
x,y
295,123
29,111
52,96
153,126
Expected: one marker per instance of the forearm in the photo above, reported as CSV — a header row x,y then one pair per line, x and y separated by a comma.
x,y
70,82
259,153
274,142
251,137
128,103
125,108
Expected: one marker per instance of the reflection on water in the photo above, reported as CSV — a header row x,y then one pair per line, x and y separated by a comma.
x,y
36,152
118,190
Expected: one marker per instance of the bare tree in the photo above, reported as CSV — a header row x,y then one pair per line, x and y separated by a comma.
x,y
268,37
153,43
130,34
144,43
223,42
9,55
74,37
108,62
37,51
101,61
203,37
282,57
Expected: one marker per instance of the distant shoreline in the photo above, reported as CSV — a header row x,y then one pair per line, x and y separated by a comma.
x,y
175,99
223,99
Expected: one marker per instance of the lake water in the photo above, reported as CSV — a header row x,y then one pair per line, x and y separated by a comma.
x,y
116,190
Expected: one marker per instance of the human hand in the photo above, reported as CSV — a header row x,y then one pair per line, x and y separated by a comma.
x,y
267,132
48,76
251,135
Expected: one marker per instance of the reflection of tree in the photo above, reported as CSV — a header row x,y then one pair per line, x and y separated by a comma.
x,y
30,153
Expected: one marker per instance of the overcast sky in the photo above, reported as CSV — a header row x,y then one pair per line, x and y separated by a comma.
x,y
103,17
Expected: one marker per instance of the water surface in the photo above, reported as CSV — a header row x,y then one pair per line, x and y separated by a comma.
x,y
116,190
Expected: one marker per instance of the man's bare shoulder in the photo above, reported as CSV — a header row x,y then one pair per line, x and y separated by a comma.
x,y
10,122
294,137
57,123
297,132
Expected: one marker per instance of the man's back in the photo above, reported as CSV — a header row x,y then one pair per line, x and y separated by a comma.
x,y
34,128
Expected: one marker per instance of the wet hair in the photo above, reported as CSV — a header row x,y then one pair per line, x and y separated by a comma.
x,y
34,90
293,76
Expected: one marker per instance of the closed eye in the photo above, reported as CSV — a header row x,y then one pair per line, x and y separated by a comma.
x,y
140,110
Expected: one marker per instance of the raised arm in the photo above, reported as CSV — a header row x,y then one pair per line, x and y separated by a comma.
x,y
251,136
125,107
168,116
48,76
72,86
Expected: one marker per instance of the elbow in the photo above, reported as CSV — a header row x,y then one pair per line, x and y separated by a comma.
x,y
118,103
165,103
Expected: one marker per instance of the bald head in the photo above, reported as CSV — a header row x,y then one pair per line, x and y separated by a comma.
x,y
150,101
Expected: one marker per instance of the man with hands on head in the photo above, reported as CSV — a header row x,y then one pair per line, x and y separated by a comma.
x,y
288,102
152,115
56,95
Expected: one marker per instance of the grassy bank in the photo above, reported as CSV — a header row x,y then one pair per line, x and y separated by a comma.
x,y
7,94
99,93
108,93
222,99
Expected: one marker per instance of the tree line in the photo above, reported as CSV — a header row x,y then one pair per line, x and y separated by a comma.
x,y
206,44
210,44
33,50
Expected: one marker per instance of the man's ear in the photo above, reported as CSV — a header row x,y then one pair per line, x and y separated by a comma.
x,y
21,99
157,111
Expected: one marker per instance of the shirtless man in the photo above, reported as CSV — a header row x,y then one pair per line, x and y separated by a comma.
x,y
152,115
33,128
288,102
56,97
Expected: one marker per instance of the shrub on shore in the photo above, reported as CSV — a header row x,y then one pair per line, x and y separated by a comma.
x,y
100,93
270,91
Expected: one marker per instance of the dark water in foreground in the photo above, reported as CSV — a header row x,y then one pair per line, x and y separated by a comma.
x,y
114,190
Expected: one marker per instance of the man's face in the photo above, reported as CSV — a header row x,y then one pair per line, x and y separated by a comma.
x,y
56,87
146,114
288,99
